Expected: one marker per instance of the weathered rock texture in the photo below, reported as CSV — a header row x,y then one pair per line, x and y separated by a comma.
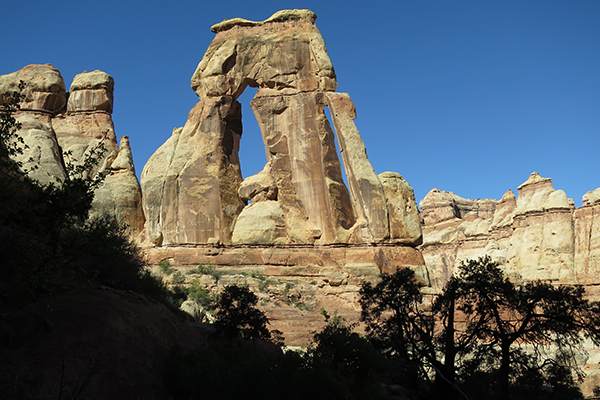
x,y
294,282
193,186
537,235
311,239
62,128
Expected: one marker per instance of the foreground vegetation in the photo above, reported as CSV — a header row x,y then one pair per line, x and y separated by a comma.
x,y
483,337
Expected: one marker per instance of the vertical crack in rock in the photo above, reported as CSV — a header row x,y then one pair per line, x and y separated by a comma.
x,y
285,57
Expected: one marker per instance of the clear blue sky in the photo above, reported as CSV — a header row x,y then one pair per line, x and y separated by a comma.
x,y
465,96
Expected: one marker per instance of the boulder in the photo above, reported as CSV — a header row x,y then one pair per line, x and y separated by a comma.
x,y
402,209
91,91
259,187
260,223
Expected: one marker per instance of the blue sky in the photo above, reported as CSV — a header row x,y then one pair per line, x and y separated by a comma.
x,y
464,96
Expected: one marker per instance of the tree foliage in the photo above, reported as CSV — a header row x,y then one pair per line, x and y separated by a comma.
x,y
11,144
47,240
237,313
483,331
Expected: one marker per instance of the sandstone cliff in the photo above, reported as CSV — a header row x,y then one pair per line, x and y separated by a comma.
x,y
61,128
537,235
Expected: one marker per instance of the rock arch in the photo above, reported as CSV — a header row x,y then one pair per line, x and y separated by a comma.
x,y
193,188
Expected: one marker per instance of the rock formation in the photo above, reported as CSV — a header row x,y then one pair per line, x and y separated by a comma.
x,y
62,128
296,224
537,235
45,96
193,186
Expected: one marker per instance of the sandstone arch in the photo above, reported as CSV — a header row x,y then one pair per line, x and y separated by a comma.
x,y
194,193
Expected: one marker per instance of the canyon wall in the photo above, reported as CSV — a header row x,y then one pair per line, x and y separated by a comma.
x,y
539,234
295,232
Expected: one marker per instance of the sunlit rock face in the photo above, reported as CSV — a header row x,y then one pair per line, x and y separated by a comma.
x,y
536,235
45,96
283,55
296,233
191,183
61,129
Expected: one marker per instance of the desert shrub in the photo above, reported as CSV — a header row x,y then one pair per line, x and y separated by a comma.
x,y
201,295
165,266
237,313
47,240
178,278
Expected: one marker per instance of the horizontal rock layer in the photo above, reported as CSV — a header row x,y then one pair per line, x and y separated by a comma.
x,y
537,235
295,282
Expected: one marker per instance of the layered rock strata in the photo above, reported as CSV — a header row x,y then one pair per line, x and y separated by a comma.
x,y
295,233
62,129
537,235
293,283
193,187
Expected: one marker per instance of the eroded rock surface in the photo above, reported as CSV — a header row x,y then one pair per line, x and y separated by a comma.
x,y
197,196
285,54
60,132
537,235
295,233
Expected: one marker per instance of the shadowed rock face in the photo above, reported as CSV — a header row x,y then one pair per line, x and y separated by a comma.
x,y
309,203
60,131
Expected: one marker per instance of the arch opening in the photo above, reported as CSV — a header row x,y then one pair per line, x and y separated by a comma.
x,y
252,153
337,145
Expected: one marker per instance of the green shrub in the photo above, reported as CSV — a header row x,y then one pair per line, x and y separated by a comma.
x,y
165,266
178,278
200,295
207,270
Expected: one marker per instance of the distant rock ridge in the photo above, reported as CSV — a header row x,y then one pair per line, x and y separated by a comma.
x,y
537,235
61,127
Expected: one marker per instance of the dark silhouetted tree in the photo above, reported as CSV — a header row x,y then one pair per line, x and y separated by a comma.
x,y
482,330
